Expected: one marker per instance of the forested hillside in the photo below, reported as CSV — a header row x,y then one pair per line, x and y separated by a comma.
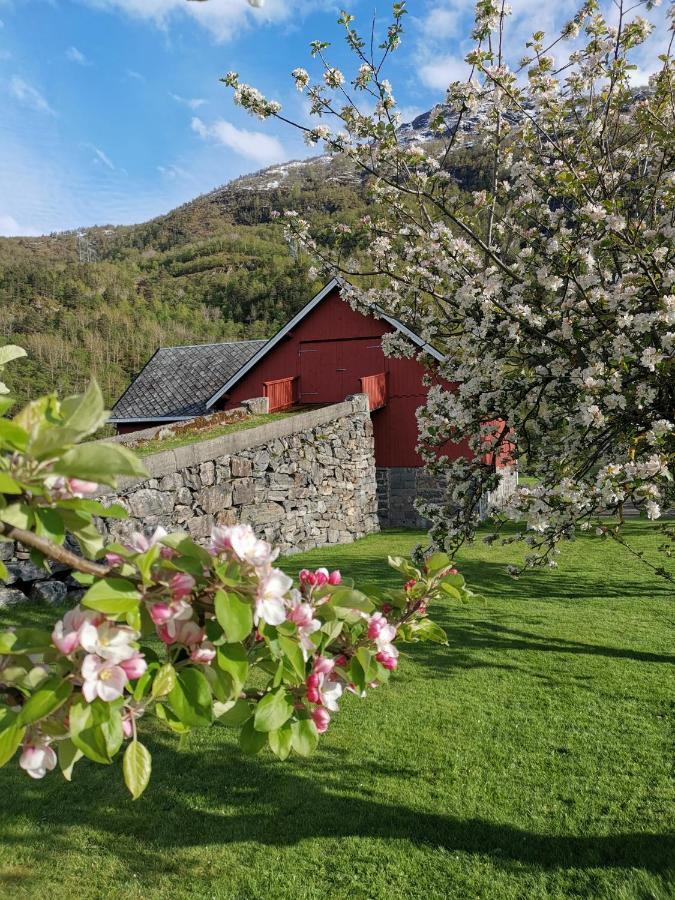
x,y
217,268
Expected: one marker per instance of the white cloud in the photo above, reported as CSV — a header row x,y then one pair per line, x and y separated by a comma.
x,y
186,101
29,96
408,113
173,171
442,22
254,145
223,18
136,76
101,157
76,56
443,70
9,227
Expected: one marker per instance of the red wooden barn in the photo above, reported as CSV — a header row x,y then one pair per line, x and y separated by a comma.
x,y
326,352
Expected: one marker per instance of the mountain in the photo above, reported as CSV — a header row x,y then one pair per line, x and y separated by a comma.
x,y
217,268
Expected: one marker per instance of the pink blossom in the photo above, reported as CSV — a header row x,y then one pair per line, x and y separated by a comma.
x,y
127,727
37,758
135,666
181,632
114,559
204,653
321,718
80,488
102,678
242,541
160,613
323,665
341,660
324,690
386,608
307,577
300,613
66,633
335,577
388,660
376,623
270,604
321,577
140,543
108,640
181,585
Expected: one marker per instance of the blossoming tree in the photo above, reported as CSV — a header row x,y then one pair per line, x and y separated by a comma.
x,y
191,635
550,286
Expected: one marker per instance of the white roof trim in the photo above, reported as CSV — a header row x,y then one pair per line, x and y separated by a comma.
x,y
297,318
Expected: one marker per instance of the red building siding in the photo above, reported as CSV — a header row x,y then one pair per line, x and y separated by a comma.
x,y
329,351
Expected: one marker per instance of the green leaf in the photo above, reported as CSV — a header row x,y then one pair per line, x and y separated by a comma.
x,y
351,599
86,731
11,735
281,741
272,711
137,766
294,655
49,524
13,435
112,595
237,713
232,658
19,515
250,740
9,352
68,755
8,485
234,614
85,413
305,737
165,681
426,630
24,640
451,591
101,463
50,695
191,700
404,567
437,562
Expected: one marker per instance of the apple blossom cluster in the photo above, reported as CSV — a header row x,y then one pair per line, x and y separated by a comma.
x,y
550,285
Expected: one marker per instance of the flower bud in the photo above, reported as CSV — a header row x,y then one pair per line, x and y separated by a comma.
x,y
335,577
321,718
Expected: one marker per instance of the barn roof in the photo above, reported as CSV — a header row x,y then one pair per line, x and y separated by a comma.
x,y
177,382
279,336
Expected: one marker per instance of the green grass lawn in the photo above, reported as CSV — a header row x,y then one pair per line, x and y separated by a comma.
x,y
529,759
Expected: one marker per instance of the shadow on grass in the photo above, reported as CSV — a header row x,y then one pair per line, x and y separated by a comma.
x,y
217,797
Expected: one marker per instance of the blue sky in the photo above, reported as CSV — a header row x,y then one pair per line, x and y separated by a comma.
x,y
111,110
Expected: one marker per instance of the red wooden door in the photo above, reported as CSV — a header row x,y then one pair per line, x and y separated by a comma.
x,y
356,358
317,373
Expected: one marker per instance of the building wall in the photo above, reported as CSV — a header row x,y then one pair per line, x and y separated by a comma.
x,y
329,351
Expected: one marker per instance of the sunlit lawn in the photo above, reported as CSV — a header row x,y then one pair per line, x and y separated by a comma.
x,y
531,758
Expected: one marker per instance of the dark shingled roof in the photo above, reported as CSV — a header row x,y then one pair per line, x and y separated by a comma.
x,y
177,381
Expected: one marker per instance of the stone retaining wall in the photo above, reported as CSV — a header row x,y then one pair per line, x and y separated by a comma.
x,y
301,482
399,488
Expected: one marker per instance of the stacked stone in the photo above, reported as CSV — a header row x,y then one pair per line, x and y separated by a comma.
x,y
27,581
301,490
